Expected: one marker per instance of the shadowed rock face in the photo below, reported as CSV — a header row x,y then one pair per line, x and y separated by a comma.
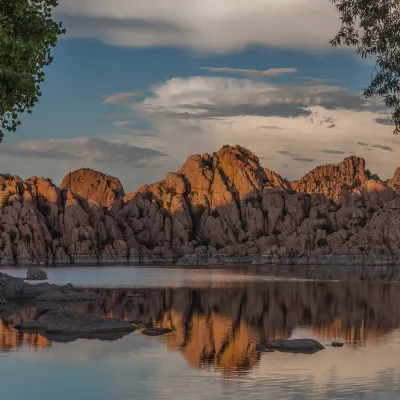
x,y
217,204
224,327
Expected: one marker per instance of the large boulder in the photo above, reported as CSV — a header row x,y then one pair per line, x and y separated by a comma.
x,y
36,274
67,322
94,185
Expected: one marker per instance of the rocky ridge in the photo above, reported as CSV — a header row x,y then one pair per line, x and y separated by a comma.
x,y
220,207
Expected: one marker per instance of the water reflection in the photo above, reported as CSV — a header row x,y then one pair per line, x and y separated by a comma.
x,y
221,328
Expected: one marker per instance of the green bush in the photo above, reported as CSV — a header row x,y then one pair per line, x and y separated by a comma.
x,y
108,240
148,195
321,242
55,235
198,209
44,209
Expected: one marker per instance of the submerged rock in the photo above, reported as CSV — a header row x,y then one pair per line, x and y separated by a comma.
x,y
17,289
308,346
36,274
337,344
61,323
155,331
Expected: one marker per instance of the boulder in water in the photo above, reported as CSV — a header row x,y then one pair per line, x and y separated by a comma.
x,y
307,346
36,274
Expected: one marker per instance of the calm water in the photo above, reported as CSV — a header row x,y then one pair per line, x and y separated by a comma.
x,y
220,317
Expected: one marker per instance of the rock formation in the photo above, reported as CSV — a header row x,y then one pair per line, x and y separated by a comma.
x,y
217,205
93,185
331,180
394,183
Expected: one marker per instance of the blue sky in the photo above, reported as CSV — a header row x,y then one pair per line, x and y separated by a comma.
x,y
128,92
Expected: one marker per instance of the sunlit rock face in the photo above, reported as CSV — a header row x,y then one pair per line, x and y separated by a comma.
x,y
94,185
220,204
331,180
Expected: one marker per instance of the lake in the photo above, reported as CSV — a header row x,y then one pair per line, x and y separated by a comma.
x,y
220,318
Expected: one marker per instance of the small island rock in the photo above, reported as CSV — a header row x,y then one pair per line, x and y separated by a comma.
x,y
36,274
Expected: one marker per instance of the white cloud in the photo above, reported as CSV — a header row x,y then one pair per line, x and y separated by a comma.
x,y
254,73
203,25
293,128
216,97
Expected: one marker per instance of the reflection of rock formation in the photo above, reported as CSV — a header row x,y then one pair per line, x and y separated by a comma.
x,y
221,327
11,339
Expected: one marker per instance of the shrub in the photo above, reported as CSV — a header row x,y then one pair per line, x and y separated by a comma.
x,y
326,226
215,213
44,209
356,184
202,240
198,209
259,233
81,237
148,195
26,238
108,239
321,242
375,177
55,235
168,190
121,226
13,235
276,232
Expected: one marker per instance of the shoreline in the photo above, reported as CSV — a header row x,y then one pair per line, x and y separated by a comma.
x,y
220,260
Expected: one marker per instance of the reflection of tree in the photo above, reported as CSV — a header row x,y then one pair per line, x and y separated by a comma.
x,y
221,327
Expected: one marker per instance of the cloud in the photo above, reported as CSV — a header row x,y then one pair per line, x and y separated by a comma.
x,y
272,72
331,126
204,26
271,127
383,121
332,151
302,159
123,124
125,116
314,81
119,98
205,97
81,148
362,144
379,146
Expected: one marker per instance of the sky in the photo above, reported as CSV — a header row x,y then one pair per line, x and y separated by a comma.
x,y
137,86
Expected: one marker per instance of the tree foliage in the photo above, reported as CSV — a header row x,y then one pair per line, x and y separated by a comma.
x,y
373,28
27,34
